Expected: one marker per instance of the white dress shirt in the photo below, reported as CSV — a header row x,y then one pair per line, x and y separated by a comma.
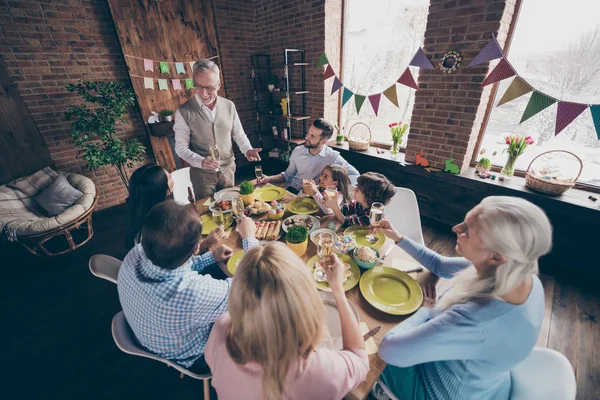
x,y
182,135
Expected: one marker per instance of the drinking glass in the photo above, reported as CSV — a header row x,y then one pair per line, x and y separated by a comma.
x,y
258,172
214,153
375,216
325,245
218,218
237,206
331,191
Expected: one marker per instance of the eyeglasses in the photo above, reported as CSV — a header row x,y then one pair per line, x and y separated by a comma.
x,y
209,89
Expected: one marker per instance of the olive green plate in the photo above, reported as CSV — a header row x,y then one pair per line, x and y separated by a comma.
x,y
270,193
360,232
208,225
391,290
303,205
231,264
348,284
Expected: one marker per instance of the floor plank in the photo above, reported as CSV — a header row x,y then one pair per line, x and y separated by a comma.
x,y
564,324
548,283
588,359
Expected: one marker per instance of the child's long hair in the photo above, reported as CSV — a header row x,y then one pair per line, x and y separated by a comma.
x,y
340,174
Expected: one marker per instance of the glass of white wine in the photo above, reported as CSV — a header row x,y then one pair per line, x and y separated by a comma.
x,y
325,245
258,172
375,217
237,206
217,216
331,191
214,153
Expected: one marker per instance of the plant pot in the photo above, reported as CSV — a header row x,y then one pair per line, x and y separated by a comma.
x,y
168,118
298,248
248,199
271,87
482,170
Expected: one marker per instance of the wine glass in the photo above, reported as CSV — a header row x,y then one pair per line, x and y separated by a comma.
x,y
214,153
258,172
237,206
375,217
331,191
325,245
218,218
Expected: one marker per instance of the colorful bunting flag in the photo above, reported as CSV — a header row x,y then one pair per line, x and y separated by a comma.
x,y
502,71
491,51
407,80
347,95
322,60
374,99
537,102
164,67
162,84
180,68
337,84
359,100
176,84
148,83
191,63
420,60
148,65
392,95
189,83
596,117
328,73
518,87
566,112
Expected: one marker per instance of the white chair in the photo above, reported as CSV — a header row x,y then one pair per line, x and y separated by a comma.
x,y
105,267
125,341
544,375
182,180
403,214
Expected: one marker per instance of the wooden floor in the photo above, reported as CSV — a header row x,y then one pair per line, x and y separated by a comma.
x,y
57,342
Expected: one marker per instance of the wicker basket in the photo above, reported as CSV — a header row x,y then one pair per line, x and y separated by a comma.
x,y
549,186
358,144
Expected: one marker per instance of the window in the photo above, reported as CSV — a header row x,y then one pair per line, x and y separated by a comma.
x,y
380,39
556,49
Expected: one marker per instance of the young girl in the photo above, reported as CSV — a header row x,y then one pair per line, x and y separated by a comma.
x,y
371,187
332,175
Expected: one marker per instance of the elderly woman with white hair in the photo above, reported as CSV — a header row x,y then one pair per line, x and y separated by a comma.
x,y
464,346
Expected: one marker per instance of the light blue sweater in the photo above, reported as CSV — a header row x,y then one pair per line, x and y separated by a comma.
x,y
467,350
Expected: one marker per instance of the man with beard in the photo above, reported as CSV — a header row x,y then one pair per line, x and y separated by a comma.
x,y
307,162
208,120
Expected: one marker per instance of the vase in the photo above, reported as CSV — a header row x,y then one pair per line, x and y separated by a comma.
x,y
395,150
509,168
270,86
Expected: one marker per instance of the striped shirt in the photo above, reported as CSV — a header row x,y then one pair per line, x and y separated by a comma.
x,y
355,214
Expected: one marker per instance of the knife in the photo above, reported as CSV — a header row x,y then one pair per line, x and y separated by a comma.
x,y
372,332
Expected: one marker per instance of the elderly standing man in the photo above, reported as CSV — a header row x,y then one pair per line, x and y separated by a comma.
x,y
208,120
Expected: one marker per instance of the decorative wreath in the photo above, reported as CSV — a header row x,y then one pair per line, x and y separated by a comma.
x,y
451,62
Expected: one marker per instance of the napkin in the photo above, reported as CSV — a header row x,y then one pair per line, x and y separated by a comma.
x,y
207,202
404,265
370,344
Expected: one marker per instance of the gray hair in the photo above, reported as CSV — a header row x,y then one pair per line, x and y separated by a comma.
x,y
514,228
205,65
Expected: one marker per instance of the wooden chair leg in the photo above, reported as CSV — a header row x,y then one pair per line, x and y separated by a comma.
x,y
207,389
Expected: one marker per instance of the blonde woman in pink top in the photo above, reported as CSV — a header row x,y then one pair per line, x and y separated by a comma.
x,y
266,347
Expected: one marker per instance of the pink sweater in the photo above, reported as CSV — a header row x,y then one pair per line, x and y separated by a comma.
x,y
325,374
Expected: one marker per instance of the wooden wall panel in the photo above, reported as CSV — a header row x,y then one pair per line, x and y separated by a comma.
x,y
168,30
22,148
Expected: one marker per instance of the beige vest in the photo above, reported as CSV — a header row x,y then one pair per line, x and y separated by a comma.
x,y
204,132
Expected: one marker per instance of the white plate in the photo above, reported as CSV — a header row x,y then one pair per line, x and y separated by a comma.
x,y
316,223
334,325
315,234
212,206
227,193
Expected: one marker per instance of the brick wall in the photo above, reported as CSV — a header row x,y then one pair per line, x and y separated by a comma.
x,y
49,44
447,115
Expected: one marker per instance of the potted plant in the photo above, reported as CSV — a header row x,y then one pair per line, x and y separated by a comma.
x,y
94,129
398,129
247,192
483,165
167,115
297,239
339,139
272,81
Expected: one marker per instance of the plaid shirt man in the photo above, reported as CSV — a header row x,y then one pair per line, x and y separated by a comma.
x,y
171,312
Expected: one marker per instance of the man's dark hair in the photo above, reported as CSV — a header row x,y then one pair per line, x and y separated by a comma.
x,y
327,127
376,188
171,233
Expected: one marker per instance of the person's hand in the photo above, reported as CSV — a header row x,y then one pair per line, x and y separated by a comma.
x,y
214,237
263,180
309,187
210,163
246,227
222,253
253,154
334,270
429,295
388,230
330,202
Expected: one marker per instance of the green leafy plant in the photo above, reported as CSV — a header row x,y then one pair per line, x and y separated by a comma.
x,y
246,188
484,163
166,113
297,234
272,80
340,138
94,128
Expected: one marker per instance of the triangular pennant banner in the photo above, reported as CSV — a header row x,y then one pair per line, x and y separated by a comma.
x,y
407,80
359,100
502,71
180,68
347,95
148,83
337,84
537,102
164,67
596,117
420,60
176,84
148,65
374,99
322,60
189,83
491,51
162,84
392,95
191,63
566,112
328,73
518,87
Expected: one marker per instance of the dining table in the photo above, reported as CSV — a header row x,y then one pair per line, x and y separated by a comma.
x,y
368,314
